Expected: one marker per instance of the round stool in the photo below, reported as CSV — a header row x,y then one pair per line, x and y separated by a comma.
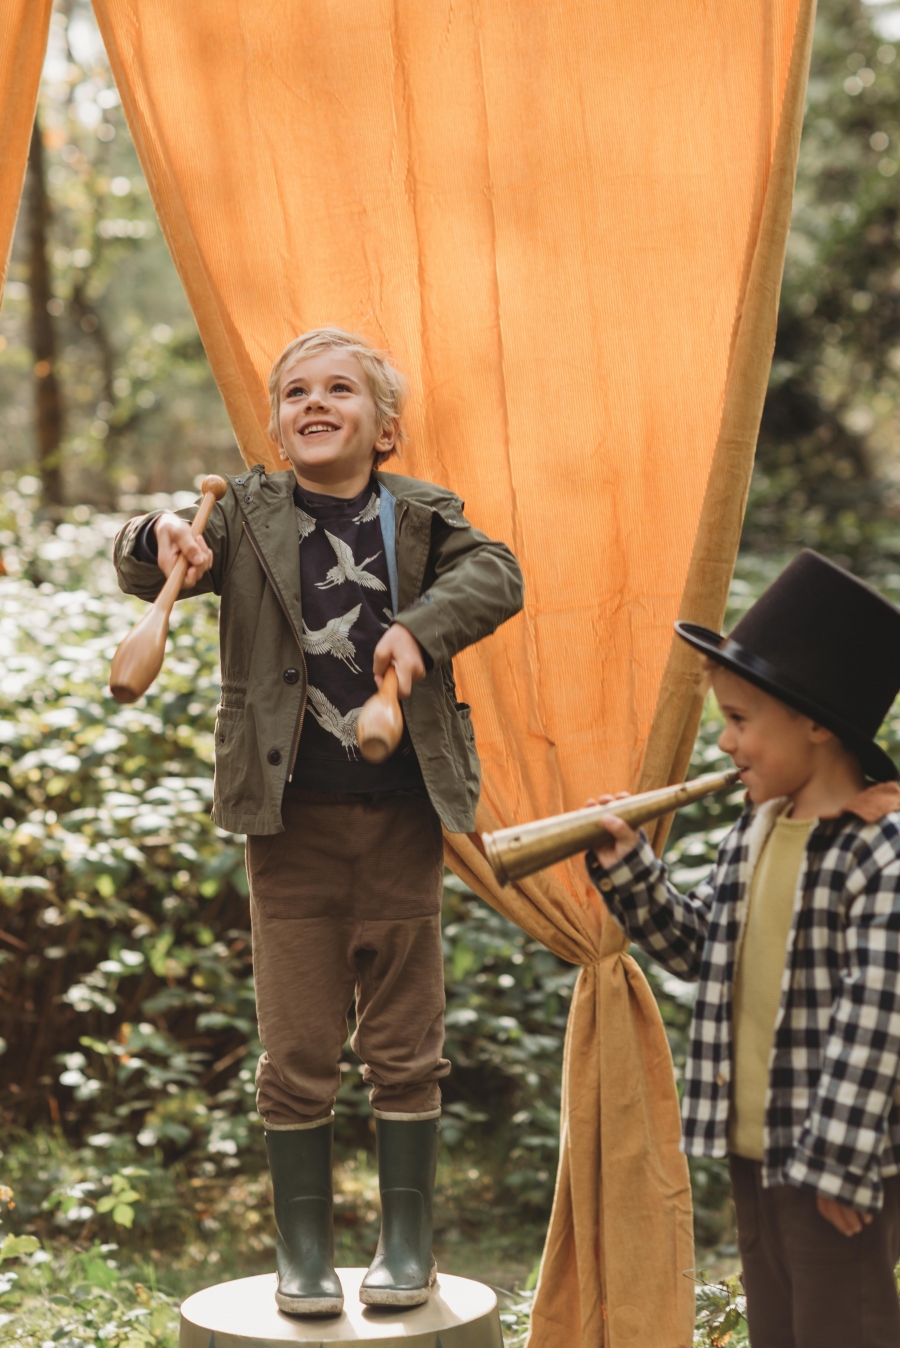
x,y
242,1314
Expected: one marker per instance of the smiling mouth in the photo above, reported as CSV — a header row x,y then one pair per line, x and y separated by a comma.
x,y
318,428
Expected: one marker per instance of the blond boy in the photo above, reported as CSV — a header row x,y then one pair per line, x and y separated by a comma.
x,y
330,572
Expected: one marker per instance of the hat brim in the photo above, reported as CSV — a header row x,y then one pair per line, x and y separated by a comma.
x,y
875,762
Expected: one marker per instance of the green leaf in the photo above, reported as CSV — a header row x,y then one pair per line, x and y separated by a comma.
x,y
123,1215
12,1247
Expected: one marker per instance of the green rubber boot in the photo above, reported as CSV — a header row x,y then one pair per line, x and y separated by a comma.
x,y
300,1165
403,1270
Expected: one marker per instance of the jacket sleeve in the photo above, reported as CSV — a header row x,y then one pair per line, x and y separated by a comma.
x,y
668,925
476,586
840,1147
145,579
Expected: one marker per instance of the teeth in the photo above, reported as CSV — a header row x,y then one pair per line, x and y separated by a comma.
x,y
316,426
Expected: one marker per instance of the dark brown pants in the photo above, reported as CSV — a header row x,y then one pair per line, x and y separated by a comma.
x,y
807,1285
347,903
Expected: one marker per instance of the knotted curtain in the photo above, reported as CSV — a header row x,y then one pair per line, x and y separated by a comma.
x,y
567,222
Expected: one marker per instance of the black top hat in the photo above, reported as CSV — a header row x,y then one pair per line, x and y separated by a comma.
x,y
824,643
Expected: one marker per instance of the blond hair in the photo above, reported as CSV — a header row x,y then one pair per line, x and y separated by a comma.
x,y
386,384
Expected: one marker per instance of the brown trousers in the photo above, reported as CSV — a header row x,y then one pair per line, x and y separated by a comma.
x,y
345,903
807,1285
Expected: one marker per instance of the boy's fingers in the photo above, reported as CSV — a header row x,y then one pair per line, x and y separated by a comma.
x,y
616,826
842,1217
380,662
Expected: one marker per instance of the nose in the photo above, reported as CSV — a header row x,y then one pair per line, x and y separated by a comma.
x,y
727,740
315,399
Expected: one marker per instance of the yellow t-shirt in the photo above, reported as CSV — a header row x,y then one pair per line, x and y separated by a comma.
x,y
757,985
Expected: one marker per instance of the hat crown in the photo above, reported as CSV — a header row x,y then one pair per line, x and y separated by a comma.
x,y
828,637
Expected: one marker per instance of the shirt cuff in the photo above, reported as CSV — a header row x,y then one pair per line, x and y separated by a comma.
x,y
636,867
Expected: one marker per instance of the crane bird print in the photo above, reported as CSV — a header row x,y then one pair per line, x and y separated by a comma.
x,y
332,639
370,510
347,569
306,525
330,719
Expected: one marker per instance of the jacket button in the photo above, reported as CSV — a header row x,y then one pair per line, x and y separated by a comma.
x,y
721,1079
247,500
606,884
239,482
291,675
274,757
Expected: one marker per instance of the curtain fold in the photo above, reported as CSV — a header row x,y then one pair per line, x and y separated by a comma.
x,y
567,222
24,25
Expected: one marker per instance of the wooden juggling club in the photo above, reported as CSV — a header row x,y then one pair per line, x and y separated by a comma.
x,y
139,658
379,725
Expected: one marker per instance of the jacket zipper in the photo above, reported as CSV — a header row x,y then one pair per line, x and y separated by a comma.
x,y
295,740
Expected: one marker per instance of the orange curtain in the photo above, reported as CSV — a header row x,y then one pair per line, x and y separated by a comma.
x,y
23,41
567,221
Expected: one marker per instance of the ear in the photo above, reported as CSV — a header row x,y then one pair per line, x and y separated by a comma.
x,y
818,734
387,436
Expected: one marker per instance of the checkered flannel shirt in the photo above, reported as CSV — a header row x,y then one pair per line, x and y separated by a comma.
x,y
831,1122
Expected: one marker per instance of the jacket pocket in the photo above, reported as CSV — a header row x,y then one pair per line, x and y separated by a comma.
x,y
462,742
464,712
229,752
228,720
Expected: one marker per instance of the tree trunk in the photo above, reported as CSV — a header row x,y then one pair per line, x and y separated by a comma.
x,y
48,399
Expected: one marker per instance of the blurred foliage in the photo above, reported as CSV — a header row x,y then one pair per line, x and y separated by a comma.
x,y
78,1297
721,1313
827,468
141,408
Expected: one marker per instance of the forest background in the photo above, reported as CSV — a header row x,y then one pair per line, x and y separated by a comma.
x,y
132,1168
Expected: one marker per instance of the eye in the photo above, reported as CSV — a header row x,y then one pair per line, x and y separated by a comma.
x,y
295,391
341,388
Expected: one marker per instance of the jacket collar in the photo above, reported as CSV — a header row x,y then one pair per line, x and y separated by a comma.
x,y
873,803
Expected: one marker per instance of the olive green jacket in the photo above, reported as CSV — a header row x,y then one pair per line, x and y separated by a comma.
x,y
452,586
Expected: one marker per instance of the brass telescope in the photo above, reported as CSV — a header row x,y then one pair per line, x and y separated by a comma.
x,y
525,848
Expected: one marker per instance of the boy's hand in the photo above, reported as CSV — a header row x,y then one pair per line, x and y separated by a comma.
x,y
625,836
174,537
845,1219
398,647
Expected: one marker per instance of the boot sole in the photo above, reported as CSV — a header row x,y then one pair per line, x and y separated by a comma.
x,y
397,1296
309,1305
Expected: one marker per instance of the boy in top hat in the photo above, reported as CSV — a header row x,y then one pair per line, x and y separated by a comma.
x,y
331,572
794,940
